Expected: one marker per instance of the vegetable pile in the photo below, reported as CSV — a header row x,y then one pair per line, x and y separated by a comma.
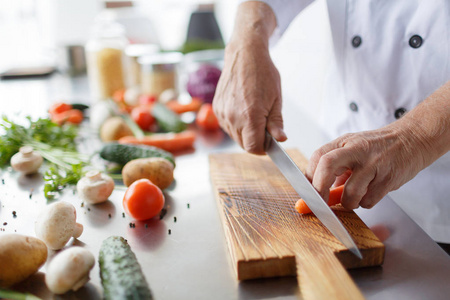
x,y
141,135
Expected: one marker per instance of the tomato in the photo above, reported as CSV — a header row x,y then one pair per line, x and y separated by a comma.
x,y
73,116
143,117
146,100
206,119
143,200
59,107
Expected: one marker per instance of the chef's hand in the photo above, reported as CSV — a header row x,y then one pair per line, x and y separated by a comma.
x,y
373,163
248,95
370,163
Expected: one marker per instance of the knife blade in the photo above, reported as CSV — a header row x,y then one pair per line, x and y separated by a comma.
x,y
308,193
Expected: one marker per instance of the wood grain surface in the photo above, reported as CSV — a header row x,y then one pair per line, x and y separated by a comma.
x,y
268,238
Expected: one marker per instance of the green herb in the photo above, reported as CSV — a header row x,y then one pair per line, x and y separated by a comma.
x,y
13,295
43,135
55,143
58,178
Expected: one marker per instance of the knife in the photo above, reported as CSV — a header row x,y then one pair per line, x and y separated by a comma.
x,y
308,193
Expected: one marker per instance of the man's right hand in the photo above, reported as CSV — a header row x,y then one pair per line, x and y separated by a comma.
x,y
248,95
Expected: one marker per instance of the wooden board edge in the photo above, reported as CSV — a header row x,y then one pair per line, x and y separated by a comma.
x,y
268,268
372,257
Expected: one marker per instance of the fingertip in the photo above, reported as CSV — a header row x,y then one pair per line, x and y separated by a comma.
x,y
277,132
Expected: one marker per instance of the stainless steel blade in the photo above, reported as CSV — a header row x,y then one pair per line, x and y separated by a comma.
x,y
308,193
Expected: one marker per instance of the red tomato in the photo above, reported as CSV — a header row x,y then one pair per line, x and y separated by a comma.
x,y
206,119
73,116
59,107
143,200
143,117
146,99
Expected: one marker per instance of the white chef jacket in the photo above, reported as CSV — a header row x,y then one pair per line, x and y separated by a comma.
x,y
389,56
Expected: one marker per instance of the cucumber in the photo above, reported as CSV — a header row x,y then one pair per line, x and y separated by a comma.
x,y
120,272
80,106
122,153
167,120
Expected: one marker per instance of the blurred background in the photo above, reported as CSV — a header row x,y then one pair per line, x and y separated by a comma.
x,y
55,38
34,30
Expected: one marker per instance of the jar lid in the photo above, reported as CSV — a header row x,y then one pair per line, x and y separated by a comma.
x,y
163,58
137,50
210,55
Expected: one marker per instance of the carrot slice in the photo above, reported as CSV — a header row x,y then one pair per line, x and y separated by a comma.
x,y
180,108
171,142
335,198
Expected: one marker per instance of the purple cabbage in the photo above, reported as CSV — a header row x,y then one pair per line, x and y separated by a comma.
x,y
202,83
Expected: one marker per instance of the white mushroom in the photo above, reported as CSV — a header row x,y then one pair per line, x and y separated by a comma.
x,y
26,160
167,95
69,270
131,95
95,187
56,224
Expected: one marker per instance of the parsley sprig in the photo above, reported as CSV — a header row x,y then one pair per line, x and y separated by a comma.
x,y
55,143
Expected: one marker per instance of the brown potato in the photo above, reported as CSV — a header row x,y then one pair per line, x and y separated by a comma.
x,y
156,169
20,257
113,129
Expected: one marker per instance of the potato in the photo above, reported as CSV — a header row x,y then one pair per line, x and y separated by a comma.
x,y
158,170
113,129
20,257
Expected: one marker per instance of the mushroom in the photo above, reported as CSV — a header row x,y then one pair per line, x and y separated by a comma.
x,y
26,160
95,187
69,270
167,95
56,224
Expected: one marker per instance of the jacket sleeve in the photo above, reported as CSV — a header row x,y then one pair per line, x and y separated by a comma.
x,y
285,11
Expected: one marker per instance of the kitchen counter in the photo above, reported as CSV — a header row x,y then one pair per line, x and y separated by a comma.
x,y
192,261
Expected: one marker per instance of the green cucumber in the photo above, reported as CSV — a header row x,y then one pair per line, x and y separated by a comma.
x,y
80,106
167,120
121,274
122,153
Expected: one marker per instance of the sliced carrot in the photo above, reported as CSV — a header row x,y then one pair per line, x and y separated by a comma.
x,y
180,108
171,142
73,116
335,198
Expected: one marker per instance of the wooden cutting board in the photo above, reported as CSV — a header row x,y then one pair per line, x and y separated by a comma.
x,y
268,238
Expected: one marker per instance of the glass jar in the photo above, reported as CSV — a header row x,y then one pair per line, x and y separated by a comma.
x,y
159,72
106,63
133,53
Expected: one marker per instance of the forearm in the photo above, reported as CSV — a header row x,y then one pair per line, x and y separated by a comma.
x,y
429,125
255,23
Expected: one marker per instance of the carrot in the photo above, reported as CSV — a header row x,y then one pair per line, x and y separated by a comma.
x,y
73,116
171,142
335,198
180,108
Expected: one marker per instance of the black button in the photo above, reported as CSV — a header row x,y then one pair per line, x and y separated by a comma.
x,y
353,107
399,112
415,41
356,41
